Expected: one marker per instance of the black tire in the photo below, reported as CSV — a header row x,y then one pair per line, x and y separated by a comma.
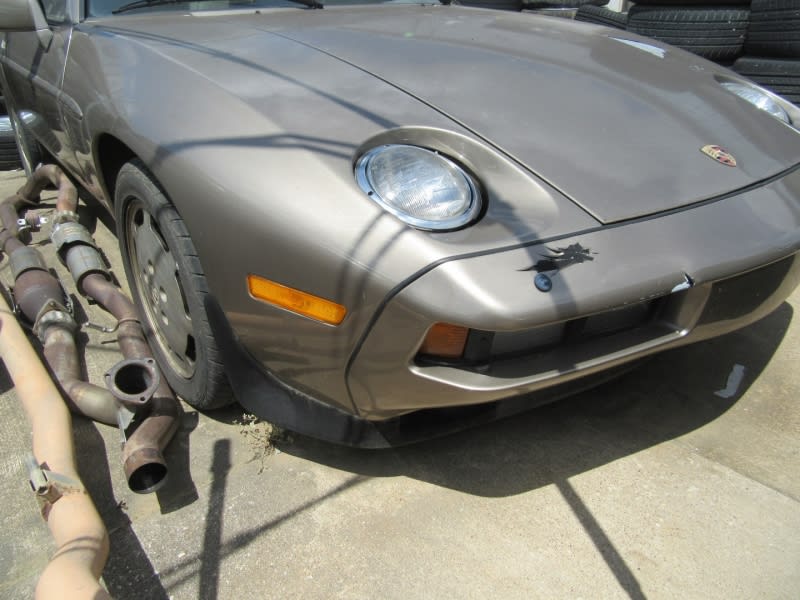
x,y
692,3
713,33
171,302
774,29
779,75
601,16
539,4
515,5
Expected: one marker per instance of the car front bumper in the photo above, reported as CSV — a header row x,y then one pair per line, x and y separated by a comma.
x,y
641,287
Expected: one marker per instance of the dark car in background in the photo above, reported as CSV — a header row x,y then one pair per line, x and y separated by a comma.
x,y
9,156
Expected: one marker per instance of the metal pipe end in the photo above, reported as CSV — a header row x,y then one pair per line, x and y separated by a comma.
x,y
133,381
146,470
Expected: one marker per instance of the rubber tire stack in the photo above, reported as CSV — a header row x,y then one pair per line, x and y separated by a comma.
x,y
544,4
495,4
772,47
713,29
599,15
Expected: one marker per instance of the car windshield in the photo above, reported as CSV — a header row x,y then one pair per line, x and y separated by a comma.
x,y
103,8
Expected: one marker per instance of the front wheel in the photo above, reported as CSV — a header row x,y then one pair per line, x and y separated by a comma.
x,y
169,287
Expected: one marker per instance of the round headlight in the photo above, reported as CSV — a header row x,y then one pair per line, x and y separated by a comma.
x,y
758,98
419,186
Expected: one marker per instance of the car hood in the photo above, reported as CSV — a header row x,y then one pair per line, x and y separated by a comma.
x,y
613,121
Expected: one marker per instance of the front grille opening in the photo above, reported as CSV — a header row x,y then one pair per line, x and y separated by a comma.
x,y
483,347
615,321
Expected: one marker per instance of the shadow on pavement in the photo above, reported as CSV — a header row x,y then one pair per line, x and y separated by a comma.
x,y
668,396
179,489
129,572
616,564
212,539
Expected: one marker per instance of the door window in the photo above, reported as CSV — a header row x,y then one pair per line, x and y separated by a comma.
x,y
55,11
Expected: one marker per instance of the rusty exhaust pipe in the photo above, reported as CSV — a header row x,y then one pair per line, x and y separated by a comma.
x,y
143,461
40,298
80,536
61,354
142,456
67,199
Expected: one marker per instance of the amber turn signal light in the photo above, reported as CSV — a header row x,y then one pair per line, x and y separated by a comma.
x,y
296,301
445,340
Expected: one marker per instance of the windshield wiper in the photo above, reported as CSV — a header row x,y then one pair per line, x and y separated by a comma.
x,y
146,3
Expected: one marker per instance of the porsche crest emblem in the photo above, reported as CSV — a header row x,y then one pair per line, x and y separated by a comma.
x,y
719,155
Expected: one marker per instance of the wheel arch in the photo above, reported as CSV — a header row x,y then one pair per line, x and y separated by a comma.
x,y
112,153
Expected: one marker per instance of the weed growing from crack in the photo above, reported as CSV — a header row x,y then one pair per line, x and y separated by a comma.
x,y
261,437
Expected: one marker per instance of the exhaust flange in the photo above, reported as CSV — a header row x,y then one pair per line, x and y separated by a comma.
x,y
133,381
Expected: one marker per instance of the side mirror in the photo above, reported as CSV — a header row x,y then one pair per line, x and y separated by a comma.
x,y
25,15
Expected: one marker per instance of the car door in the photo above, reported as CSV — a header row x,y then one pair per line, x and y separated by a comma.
x,y
34,70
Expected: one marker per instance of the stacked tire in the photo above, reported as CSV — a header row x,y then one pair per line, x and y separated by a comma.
x,y
495,4
518,5
713,29
561,4
600,15
772,47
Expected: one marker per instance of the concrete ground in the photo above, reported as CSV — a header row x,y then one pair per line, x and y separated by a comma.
x,y
681,480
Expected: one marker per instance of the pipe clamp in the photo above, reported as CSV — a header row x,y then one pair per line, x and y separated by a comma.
x,y
50,487
69,233
53,314
65,216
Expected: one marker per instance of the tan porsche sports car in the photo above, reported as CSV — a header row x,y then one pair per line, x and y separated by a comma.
x,y
370,221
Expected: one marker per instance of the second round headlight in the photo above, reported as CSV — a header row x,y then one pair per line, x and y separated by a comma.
x,y
758,98
419,186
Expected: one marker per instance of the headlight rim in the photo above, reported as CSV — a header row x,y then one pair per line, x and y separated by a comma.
x,y
792,115
465,219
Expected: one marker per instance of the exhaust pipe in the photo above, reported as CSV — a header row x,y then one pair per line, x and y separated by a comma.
x,y
84,398
43,177
40,298
134,383
142,458
80,536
